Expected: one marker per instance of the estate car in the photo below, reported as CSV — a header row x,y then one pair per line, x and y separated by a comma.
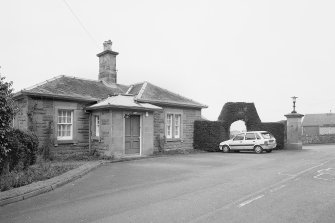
x,y
258,141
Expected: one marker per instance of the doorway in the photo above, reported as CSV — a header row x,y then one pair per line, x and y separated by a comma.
x,y
132,135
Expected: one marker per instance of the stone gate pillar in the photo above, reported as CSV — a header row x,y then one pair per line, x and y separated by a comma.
x,y
294,131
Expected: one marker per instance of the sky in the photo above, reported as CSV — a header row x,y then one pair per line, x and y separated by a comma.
x,y
213,52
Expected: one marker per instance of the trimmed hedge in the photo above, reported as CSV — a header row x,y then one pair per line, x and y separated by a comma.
x,y
209,134
23,147
276,128
234,111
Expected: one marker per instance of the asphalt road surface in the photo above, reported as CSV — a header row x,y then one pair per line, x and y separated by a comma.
x,y
283,186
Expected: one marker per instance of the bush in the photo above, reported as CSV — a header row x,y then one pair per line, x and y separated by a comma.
x,y
45,149
276,128
23,146
7,111
209,134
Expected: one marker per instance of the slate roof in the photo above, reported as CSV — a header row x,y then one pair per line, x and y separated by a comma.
x,y
319,119
74,88
123,101
147,92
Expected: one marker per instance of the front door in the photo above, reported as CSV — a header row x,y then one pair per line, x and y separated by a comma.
x,y
132,134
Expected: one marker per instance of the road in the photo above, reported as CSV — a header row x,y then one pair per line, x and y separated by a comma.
x,y
283,186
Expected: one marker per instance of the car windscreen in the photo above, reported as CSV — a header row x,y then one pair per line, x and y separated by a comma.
x,y
267,135
239,137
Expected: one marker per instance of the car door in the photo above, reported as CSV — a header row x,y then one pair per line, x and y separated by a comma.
x,y
237,142
250,140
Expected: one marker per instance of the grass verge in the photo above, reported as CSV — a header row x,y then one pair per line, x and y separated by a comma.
x,y
42,170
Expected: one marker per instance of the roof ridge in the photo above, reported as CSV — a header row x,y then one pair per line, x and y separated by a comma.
x,y
327,113
55,78
129,89
79,78
176,94
139,83
44,82
140,93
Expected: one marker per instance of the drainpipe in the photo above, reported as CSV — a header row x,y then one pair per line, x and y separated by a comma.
x,y
89,132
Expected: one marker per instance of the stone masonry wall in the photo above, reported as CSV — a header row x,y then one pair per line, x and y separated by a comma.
x,y
186,142
21,118
42,115
318,139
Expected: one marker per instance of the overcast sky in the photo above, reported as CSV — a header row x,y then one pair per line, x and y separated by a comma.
x,y
213,52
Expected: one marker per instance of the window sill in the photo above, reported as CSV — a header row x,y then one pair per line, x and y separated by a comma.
x,y
62,142
96,139
174,140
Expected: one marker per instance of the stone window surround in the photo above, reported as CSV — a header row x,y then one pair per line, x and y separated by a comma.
x,y
174,112
97,125
70,111
93,134
73,108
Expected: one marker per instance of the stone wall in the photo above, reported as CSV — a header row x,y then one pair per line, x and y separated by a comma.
x,y
186,141
318,139
40,115
111,141
21,118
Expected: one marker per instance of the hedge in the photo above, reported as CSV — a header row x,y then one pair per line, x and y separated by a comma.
x,y
209,134
234,111
276,128
23,147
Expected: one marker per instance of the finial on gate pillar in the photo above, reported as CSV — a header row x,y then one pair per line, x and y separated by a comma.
x,y
294,98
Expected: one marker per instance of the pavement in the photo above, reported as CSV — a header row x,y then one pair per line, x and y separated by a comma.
x,y
283,186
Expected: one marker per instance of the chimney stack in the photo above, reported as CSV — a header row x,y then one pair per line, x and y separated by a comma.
x,y
107,64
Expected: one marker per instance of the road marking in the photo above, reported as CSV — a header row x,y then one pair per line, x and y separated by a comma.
x,y
203,217
325,172
277,188
286,174
251,200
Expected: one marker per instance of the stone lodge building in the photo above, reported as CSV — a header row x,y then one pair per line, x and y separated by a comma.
x,y
79,115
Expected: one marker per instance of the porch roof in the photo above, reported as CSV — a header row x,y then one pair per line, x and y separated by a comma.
x,y
123,102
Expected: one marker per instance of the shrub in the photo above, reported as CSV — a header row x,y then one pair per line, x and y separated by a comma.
x,y
276,128
209,134
23,148
45,149
7,111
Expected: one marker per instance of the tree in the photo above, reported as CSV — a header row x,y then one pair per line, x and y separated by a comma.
x,y
7,112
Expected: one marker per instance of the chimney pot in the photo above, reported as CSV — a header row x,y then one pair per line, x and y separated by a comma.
x,y
108,45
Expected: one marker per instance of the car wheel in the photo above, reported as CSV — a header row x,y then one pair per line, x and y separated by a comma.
x,y
269,150
225,149
258,149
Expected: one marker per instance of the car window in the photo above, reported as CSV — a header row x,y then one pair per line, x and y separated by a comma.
x,y
239,137
250,136
266,135
257,136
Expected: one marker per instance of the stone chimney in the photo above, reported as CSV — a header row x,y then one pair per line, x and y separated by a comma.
x,y
107,64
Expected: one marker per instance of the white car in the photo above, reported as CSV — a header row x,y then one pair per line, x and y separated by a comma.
x,y
258,141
